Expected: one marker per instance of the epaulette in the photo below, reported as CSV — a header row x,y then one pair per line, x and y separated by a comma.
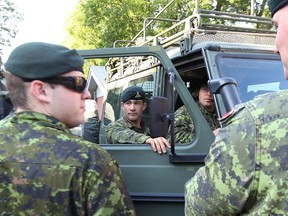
x,y
225,119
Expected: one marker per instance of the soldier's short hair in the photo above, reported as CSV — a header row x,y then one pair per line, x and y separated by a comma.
x,y
17,90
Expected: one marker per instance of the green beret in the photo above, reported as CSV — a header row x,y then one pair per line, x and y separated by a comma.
x,y
133,93
38,60
275,5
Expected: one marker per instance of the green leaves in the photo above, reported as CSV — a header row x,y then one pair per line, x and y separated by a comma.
x,y
9,20
99,23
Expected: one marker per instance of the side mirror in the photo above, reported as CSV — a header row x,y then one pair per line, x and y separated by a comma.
x,y
226,87
158,111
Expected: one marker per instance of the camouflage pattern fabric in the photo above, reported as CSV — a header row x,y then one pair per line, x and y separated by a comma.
x,y
184,130
122,131
46,170
246,170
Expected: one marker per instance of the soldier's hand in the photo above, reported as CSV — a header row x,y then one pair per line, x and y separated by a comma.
x,y
158,144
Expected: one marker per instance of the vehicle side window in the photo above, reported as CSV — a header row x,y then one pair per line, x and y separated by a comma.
x,y
255,75
112,105
184,127
147,84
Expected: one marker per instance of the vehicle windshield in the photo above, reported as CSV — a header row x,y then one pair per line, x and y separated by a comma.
x,y
255,74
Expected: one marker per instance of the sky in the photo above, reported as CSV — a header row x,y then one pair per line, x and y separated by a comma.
x,y
44,20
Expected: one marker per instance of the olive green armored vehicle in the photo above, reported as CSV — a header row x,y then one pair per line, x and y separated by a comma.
x,y
238,63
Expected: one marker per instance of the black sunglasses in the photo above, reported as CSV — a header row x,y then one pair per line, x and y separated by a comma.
x,y
75,83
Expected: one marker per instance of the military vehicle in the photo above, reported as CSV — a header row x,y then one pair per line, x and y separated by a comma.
x,y
235,58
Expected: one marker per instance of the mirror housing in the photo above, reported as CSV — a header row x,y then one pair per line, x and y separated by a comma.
x,y
158,111
226,87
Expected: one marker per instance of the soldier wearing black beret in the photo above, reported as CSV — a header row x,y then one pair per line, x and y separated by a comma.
x,y
45,169
130,128
245,171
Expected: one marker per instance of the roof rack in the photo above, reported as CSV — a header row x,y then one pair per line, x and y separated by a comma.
x,y
205,22
202,25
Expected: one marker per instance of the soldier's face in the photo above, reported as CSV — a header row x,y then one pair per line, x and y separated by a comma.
x,y
280,20
206,98
68,105
133,110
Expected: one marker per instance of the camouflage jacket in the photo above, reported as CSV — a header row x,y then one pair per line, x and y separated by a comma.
x,y
246,170
122,131
46,170
184,130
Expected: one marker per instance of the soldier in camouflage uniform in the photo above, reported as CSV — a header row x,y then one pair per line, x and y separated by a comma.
x,y
184,130
45,169
130,128
246,171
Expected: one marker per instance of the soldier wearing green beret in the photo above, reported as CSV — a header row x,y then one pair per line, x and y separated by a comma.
x,y
184,130
45,169
246,170
130,128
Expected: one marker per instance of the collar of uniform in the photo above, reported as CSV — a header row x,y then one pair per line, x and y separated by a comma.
x,y
131,126
43,119
203,110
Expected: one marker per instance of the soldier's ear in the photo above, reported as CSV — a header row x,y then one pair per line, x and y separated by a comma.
x,y
121,104
144,105
39,90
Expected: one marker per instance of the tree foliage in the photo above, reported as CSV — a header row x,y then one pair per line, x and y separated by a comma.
x,y
99,23
9,20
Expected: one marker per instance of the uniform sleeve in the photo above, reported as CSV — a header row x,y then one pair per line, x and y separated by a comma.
x,y
116,133
108,194
224,184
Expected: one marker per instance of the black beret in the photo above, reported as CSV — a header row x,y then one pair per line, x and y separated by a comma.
x,y
38,60
275,5
133,93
